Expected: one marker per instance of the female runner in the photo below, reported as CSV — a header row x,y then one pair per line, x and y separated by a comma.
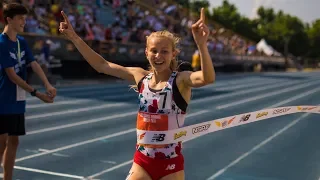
x,y
163,92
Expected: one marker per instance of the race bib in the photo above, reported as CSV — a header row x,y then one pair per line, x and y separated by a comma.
x,y
21,94
152,122
164,101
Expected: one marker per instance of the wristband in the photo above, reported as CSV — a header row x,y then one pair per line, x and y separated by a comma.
x,y
33,93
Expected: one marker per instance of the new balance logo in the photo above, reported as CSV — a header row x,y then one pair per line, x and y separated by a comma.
x,y
158,137
171,167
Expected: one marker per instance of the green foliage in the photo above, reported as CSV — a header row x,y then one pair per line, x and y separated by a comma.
x,y
314,37
277,28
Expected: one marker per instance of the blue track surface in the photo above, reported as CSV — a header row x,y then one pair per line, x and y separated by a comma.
x,y
90,131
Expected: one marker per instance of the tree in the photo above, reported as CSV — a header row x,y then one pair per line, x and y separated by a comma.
x,y
282,31
196,5
314,36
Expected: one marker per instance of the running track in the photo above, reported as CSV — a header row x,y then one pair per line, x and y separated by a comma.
x,y
90,132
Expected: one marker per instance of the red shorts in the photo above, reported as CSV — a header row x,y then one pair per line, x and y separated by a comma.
x,y
158,168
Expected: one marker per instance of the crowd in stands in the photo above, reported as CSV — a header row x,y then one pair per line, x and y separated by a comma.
x,y
132,22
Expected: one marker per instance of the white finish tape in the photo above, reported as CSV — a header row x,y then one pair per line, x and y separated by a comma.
x,y
192,131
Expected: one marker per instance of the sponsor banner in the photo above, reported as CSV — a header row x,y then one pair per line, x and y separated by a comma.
x,y
196,130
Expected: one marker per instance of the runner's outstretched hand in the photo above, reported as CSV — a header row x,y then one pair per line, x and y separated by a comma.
x,y
65,27
200,30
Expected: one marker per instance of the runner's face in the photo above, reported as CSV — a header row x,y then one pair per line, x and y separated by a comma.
x,y
159,53
18,22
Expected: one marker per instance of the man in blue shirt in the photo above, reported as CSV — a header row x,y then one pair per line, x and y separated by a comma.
x,y
15,55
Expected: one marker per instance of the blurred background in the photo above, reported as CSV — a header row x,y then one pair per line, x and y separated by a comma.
x,y
271,40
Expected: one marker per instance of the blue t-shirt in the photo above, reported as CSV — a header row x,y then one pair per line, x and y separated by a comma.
x,y
9,58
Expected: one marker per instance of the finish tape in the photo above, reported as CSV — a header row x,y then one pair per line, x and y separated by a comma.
x,y
200,129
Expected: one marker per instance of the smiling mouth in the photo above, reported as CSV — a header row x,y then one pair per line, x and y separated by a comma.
x,y
159,62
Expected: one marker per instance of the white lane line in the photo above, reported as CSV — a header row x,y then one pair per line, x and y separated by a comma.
x,y
192,102
78,101
82,91
111,169
111,96
64,102
265,95
77,144
130,161
97,87
32,151
82,123
223,83
94,140
122,85
78,93
43,150
99,90
121,115
237,93
100,119
60,155
75,110
48,172
303,94
90,87
236,161
109,162
245,85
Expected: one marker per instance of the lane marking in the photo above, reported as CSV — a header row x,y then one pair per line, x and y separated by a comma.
x,y
236,161
109,162
111,96
295,98
133,112
43,150
70,111
265,95
82,91
76,93
60,155
77,144
111,169
245,85
121,104
82,123
235,83
48,172
78,101
237,93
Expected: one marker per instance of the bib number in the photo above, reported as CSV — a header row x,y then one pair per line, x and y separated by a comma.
x,y
164,101
21,94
